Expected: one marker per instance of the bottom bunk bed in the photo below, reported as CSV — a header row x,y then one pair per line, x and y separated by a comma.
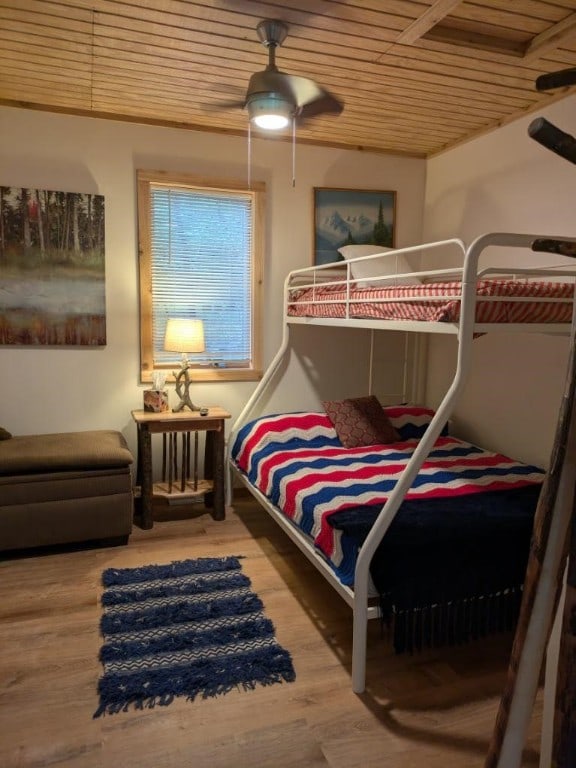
x,y
452,563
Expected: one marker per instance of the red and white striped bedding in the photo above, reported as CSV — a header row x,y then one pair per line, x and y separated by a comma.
x,y
438,302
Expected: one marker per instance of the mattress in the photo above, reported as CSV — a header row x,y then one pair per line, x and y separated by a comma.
x,y
499,301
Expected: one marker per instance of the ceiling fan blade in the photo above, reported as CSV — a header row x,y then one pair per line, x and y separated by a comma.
x,y
311,99
303,89
324,105
219,106
224,97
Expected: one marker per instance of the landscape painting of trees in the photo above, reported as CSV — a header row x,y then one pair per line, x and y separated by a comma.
x,y
52,282
351,217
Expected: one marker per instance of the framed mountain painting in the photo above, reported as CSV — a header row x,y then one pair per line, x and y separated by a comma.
x,y
351,217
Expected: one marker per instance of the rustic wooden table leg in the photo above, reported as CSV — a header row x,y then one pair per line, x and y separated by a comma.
x,y
184,464
139,457
145,466
138,497
219,512
174,436
209,466
195,479
214,470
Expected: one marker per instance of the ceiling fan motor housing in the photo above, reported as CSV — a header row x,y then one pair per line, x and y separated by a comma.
x,y
272,32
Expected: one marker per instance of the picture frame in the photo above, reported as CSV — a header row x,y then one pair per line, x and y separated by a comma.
x,y
52,286
351,216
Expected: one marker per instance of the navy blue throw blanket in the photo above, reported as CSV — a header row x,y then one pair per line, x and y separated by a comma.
x,y
449,570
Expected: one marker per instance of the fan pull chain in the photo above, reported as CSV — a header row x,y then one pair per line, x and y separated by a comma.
x,y
249,155
293,151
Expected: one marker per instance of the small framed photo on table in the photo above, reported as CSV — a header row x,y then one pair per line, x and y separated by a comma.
x,y
351,217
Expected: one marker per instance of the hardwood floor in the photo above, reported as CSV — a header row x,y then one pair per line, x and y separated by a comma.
x,y
435,709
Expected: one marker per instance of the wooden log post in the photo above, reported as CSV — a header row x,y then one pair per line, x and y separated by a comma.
x,y
564,737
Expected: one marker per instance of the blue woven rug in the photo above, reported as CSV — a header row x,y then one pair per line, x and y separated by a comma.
x,y
191,628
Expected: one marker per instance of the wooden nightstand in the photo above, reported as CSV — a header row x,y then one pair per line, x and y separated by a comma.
x,y
180,468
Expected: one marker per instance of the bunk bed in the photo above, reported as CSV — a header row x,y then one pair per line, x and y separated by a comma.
x,y
466,301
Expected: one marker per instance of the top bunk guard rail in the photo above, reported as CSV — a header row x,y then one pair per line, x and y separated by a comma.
x,y
466,328
391,253
323,276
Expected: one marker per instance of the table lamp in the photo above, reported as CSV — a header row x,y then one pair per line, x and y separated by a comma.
x,y
184,335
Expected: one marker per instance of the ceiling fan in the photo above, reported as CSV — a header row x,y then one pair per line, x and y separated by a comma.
x,y
274,98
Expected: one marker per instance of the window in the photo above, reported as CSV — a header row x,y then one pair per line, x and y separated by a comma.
x,y
200,250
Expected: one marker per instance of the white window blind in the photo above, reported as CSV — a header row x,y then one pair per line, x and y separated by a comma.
x,y
201,244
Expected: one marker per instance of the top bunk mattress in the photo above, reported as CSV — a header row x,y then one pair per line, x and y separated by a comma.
x,y
498,301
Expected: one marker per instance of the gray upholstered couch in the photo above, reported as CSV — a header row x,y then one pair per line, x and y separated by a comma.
x,y
65,488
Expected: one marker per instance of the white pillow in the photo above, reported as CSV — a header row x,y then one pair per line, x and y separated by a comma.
x,y
390,265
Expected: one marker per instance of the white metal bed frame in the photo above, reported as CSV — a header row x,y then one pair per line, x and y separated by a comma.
x,y
465,329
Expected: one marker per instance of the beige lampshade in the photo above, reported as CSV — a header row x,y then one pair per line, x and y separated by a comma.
x,y
184,335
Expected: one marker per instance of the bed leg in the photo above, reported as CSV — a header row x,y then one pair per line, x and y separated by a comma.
x,y
359,639
228,482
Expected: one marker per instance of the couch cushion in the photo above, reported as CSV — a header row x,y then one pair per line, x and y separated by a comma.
x,y
63,451
38,487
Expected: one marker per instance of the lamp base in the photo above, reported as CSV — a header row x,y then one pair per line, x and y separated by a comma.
x,y
182,390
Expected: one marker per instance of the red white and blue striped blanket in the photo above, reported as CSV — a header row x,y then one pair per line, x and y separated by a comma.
x,y
298,463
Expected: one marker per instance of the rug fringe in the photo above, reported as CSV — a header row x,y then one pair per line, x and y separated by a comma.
x,y
121,692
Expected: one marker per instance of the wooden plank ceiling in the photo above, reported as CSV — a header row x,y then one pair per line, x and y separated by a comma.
x,y
416,78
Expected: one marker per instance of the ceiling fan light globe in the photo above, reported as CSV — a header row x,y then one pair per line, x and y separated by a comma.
x,y
271,122
270,112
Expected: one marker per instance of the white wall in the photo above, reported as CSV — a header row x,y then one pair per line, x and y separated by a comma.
x,y
47,390
504,181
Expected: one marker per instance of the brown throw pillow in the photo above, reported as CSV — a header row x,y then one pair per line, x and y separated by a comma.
x,y
4,434
360,421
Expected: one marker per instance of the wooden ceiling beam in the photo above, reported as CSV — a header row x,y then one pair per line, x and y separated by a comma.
x,y
414,31
537,48
551,38
466,38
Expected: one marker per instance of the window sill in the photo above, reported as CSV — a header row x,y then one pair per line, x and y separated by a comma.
x,y
207,374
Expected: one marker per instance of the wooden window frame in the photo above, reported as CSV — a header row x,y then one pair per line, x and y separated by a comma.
x,y
198,373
